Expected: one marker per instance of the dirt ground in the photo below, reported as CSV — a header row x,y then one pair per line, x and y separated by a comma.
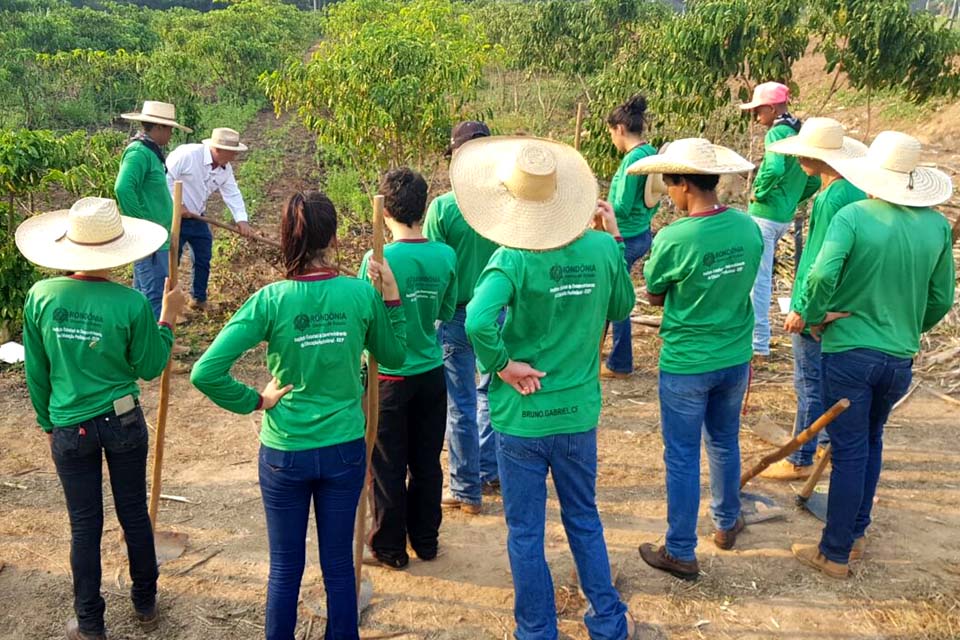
x,y
908,587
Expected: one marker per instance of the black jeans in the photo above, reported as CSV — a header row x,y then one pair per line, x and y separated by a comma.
x,y
77,453
407,477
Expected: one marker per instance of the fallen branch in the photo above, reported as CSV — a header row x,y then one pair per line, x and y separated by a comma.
x,y
906,397
650,321
164,496
198,563
942,396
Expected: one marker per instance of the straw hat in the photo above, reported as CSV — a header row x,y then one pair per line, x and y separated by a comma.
x,y
692,155
891,171
654,188
227,139
820,139
157,113
90,236
523,192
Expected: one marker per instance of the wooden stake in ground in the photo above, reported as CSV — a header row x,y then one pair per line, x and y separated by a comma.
x,y
372,405
579,130
169,545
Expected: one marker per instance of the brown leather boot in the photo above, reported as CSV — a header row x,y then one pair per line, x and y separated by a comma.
x,y
809,554
859,548
726,539
658,558
74,633
149,620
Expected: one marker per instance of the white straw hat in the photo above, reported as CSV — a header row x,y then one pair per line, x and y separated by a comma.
x,y
157,113
821,139
523,192
223,138
90,236
891,171
692,155
654,188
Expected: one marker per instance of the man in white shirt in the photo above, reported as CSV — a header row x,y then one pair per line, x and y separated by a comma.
x,y
205,168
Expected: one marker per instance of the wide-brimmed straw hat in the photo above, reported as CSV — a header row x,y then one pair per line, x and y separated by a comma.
x,y
224,138
523,192
90,236
891,171
654,188
820,139
692,155
157,113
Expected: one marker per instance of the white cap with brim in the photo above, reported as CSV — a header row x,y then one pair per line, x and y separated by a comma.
x,y
90,236
891,171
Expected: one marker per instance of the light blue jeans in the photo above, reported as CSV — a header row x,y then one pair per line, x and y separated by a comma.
x,y
691,405
763,287
807,383
470,438
572,461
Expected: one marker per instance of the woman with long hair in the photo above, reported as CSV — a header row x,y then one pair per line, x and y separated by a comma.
x,y
316,324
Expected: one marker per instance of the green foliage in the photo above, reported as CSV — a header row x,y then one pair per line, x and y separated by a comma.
x,y
343,187
16,277
386,82
882,44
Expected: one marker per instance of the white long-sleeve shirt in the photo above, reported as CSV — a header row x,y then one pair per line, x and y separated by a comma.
x,y
192,164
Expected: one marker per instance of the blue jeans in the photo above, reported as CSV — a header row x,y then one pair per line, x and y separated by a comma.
x,y
707,403
148,276
470,438
572,460
78,453
197,234
331,477
763,287
807,385
621,354
873,382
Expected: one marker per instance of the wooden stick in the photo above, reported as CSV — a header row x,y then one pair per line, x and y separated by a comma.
x,y
234,229
578,132
795,443
156,482
372,405
814,478
940,395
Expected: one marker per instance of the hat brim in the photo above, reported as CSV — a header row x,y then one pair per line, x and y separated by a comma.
x,y
139,117
239,146
750,106
42,240
930,186
496,214
727,162
797,146
653,189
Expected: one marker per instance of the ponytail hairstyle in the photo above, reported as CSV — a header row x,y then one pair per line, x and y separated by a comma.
x,y
307,227
632,114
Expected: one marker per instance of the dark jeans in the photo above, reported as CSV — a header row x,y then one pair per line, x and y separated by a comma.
x,y
873,382
621,353
78,453
407,477
331,477
807,373
197,234
149,275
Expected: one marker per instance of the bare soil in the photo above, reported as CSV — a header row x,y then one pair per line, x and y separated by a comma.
x,y
907,588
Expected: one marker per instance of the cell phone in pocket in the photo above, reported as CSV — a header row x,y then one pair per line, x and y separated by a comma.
x,y
126,410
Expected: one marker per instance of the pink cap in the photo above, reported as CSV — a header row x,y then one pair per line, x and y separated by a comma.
x,y
768,93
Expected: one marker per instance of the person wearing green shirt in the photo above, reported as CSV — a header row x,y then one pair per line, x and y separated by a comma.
x,y
87,341
470,440
701,270
626,125
316,325
560,283
821,141
406,471
884,276
141,190
778,187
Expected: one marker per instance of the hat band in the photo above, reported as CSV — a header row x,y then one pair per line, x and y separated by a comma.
x,y
66,234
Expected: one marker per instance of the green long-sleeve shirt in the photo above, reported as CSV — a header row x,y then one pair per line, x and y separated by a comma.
x,y
891,268
87,342
557,303
141,187
426,274
626,195
316,327
780,184
826,205
444,223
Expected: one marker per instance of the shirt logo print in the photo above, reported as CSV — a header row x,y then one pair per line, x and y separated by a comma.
x,y
301,322
60,314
